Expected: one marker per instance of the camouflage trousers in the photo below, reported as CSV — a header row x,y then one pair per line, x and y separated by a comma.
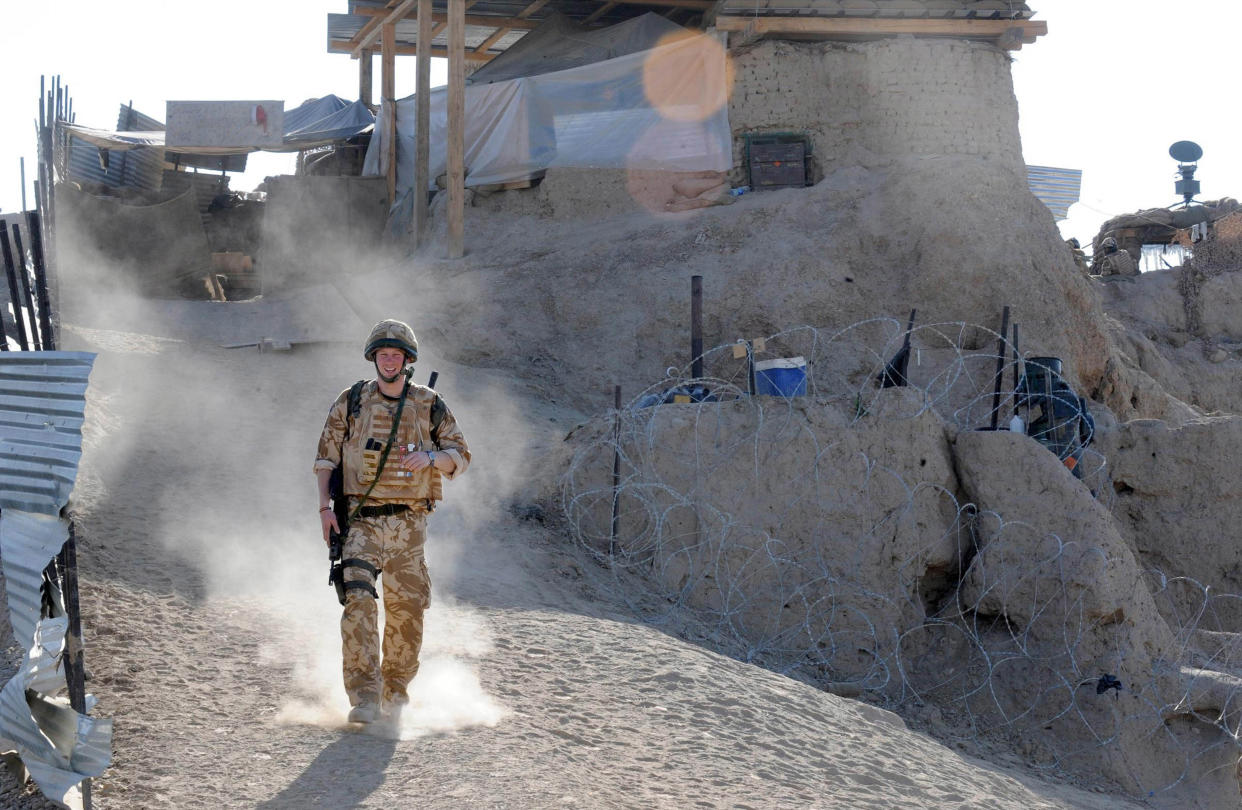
x,y
393,544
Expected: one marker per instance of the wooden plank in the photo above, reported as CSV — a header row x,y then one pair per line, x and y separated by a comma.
x,y
829,27
697,5
599,12
422,124
483,20
388,92
411,50
456,129
532,8
492,40
391,18
365,70
365,36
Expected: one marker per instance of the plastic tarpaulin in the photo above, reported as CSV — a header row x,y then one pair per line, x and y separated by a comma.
x,y
316,122
664,108
559,43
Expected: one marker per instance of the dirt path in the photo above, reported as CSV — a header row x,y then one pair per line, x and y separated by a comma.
x,y
211,631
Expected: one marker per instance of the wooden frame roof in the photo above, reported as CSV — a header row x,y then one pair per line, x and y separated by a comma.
x,y
492,26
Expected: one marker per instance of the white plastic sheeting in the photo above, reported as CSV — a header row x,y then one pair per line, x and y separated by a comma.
x,y
664,108
42,403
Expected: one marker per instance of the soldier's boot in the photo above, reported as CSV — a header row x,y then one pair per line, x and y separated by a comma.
x,y
364,713
393,705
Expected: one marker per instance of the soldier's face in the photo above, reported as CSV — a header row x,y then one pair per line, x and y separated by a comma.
x,y
388,363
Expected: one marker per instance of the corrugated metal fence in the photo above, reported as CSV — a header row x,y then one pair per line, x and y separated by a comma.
x,y
1056,188
42,409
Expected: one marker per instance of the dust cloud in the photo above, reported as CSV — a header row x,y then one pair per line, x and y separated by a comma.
x,y
198,476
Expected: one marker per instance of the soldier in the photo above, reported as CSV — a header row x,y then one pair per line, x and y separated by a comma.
x,y
1114,262
1080,258
395,444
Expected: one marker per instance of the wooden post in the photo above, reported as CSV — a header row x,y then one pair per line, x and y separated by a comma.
x,y
15,296
456,128
1000,366
422,123
388,92
364,79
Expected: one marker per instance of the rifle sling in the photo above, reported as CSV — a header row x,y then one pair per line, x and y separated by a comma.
x,y
392,435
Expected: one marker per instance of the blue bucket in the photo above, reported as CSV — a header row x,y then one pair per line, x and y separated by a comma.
x,y
783,377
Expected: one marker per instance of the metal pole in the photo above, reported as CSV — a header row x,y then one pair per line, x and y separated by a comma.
x,y
1000,366
40,274
35,342
10,271
616,472
22,160
696,327
1017,368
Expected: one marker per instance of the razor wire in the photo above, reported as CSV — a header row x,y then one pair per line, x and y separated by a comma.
x,y
702,498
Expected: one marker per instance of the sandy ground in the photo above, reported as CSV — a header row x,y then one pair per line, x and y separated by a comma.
x,y
211,630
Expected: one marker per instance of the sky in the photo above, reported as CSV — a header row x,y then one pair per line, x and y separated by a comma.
x,y
1107,90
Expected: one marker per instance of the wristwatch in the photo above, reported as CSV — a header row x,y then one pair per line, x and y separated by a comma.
x,y
431,457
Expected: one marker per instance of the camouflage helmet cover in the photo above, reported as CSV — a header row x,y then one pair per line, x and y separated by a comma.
x,y
394,333
1109,244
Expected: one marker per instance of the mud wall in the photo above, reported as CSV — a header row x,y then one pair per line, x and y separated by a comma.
x,y
862,102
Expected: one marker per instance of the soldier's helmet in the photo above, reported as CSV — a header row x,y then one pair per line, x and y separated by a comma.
x,y
395,334
1109,245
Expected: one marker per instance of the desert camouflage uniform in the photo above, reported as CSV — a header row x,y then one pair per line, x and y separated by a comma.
x,y
1120,263
392,543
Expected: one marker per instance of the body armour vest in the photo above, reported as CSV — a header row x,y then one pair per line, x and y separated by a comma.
x,y
368,436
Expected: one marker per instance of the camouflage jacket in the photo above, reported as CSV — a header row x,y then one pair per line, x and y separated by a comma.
x,y
368,435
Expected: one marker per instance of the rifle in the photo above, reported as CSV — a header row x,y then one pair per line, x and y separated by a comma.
x,y
340,503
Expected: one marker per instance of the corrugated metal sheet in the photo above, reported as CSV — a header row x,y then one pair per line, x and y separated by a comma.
x,y
27,543
136,168
1056,188
42,399
42,404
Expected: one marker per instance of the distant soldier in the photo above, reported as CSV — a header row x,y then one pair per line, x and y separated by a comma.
x,y
394,441
1114,262
1080,258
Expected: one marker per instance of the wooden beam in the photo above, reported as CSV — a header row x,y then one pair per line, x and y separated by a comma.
x,y
411,50
361,42
492,40
456,129
847,27
480,20
422,124
388,93
365,34
532,8
364,80
599,12
697,5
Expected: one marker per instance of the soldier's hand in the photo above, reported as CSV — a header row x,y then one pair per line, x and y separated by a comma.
x,y
416,460
327,522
